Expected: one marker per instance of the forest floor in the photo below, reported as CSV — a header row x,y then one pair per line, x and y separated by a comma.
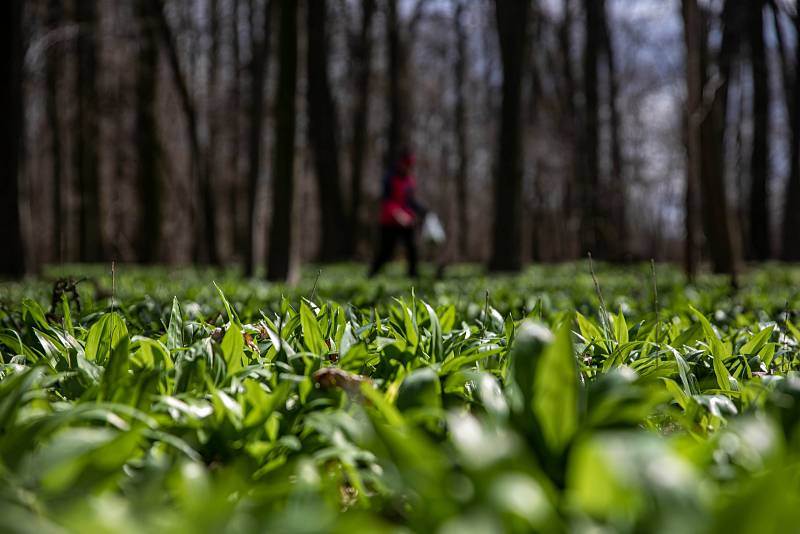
x,y
567,397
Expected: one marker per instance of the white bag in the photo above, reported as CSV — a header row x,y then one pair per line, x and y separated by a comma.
x,y
432,230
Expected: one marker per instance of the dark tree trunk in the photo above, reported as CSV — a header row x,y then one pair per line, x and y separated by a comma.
x,y
512,23
280,232
87,133
573,179
322,131
213,144
591,236
759,165
617,188
12,261
694,35
722,239
461,132
205,247
790,251
362,59
53,70
148,149
236,191
258,69
396,135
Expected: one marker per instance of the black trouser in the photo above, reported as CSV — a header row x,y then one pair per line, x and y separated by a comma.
x,y
388,239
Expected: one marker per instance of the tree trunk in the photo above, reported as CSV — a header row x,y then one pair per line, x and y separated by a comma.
x,y
259,63
213,144
790,251
397,134
322,131
52,73
362,59
591,236
148,149
205,249
617,187
512,23
280,232
573,179
723,241
694,35
12,261
236,190
87,133
461,131
759,164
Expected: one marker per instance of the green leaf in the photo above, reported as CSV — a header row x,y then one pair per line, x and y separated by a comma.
x,y
555,391
718,348
116,372
620,328
232,317
67,315
312,335
588,331
447,318
233,348
757,342
435,349
420,389
409,327
103,336
175,328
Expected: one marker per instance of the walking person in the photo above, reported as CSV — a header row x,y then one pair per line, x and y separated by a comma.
x,y
400,212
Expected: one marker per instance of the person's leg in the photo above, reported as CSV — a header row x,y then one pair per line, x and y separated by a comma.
x,y
386,241
410,242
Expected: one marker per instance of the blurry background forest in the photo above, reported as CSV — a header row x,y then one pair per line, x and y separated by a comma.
x,y
256,132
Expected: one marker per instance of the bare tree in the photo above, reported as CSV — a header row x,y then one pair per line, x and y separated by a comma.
x,y
361,53
603,228
706,131
790,250
12,263
87,131
205,237
694,35
236,192
259,60
459,80
759,234
212,106
55,14
616,189
280,231
322,132
397,50
512,25
148,148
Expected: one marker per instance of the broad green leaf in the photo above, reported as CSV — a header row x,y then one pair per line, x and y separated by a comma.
x,y
175,327
620,328
555,391
588,331
447,318
115,377
436,334
420,389
757,342
312,335
232,347
718,348
104,335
